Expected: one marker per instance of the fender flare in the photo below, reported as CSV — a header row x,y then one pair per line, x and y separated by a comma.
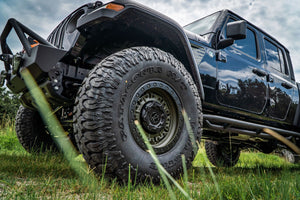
x,y
151,23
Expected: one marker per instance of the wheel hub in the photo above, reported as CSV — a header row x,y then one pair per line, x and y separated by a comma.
x,y
153,117
156,106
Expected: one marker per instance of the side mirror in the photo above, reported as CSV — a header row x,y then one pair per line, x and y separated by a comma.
x,y
222,44
236,30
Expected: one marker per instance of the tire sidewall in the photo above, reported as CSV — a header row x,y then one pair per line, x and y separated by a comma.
x,y
219,156
31,131
140,74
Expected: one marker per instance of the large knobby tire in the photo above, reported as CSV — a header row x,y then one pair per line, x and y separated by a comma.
x,y
223,154
32,133
144,84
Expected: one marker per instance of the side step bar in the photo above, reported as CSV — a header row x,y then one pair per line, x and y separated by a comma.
x,y
242,127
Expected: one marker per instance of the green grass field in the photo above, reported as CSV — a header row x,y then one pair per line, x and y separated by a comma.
x,y
49,176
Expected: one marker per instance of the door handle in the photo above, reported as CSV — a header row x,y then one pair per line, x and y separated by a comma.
x,y
221,57
270,78
259,72
286,85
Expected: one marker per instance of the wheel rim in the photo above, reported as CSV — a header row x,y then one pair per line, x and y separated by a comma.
x,y
157,107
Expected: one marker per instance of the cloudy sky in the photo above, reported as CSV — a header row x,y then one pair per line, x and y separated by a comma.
x,y
280,18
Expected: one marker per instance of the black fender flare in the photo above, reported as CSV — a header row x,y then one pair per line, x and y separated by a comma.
x,y
164,32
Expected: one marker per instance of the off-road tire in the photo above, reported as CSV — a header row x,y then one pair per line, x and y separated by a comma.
x,y
222,155
120,87
32,133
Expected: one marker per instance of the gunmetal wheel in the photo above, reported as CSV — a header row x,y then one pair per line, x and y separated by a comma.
x,y
144,84
158,108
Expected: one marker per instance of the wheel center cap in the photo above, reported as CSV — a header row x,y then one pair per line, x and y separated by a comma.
x,y
153,117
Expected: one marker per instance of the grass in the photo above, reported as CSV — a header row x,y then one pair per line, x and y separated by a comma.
x,y
50,176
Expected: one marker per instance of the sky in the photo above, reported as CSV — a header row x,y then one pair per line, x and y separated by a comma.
x,y
279,18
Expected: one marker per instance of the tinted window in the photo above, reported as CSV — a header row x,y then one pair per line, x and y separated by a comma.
x,y
275,57
283,63
247,45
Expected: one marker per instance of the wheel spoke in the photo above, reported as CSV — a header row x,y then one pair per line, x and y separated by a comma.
x,y
157,109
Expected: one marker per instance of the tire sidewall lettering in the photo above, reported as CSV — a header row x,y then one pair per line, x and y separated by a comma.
x,y
128,86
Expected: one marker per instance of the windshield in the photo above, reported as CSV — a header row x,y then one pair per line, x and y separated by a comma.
x,y
204,25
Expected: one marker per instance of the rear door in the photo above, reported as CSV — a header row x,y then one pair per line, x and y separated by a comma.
x,y
281,87
241,74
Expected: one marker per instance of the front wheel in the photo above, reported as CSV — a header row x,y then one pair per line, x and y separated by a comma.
x,y
32,132
144,84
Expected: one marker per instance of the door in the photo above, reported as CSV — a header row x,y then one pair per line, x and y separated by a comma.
x,y
241,75
281,88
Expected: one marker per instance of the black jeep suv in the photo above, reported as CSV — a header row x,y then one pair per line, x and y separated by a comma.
x,y
107,65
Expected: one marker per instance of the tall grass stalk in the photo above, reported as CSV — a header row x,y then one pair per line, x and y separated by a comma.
x,y
129,183
214,179
190,131
56,130
185,175
153,155
193,140
163,172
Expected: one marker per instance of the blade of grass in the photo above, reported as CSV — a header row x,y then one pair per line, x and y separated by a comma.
x,y
163,172
135,177
56,130
214,178
185,175
251,192
195,147
153,155
103,173
190,131
129,183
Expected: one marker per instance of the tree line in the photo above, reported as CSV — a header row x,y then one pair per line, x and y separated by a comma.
x,y
9,104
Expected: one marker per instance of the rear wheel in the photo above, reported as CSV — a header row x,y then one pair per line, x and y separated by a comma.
x,y
144,84
223,154
290,156
31,131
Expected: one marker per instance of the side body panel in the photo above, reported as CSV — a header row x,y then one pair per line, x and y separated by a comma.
x,y
242,85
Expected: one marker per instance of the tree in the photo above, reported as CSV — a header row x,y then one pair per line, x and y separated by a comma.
x,y
9,104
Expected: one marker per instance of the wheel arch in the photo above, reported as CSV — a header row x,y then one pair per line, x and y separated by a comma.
x,y
105,31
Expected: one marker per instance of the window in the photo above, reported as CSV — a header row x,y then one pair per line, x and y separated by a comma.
x,y
283,63
275,57
247,45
